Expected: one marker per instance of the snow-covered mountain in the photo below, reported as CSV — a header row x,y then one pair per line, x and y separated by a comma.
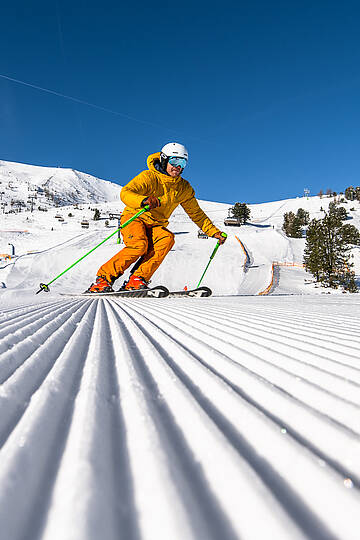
x,y
23,187
223,418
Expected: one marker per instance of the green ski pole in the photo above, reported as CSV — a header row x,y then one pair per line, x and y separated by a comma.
x,y
211,258
45,286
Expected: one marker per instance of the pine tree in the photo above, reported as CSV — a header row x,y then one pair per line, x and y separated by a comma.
x,y
333,250
351,235
350,193
96,214
326,253
347,280
292,225
303,216
241,211
338,210
313,253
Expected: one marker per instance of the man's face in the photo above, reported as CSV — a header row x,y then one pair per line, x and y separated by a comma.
x,y
173,171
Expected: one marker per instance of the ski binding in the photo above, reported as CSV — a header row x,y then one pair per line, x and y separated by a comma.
x,y
194,293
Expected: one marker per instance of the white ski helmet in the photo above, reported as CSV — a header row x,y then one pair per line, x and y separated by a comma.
x,y
172,149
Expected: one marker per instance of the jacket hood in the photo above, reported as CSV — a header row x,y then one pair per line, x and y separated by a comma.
x,y
151,160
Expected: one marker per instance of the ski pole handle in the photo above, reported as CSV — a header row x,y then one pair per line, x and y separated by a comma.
x,y
217,245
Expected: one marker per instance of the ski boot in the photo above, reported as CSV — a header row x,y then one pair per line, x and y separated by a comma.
x,y
135,283
101,285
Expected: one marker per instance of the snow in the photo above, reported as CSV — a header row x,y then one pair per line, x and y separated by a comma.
x,y
216,418
19,181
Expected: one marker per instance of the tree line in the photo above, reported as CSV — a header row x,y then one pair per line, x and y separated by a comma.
x,y
351,193
327,250
328,244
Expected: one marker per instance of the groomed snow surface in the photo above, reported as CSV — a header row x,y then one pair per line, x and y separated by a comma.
x,y
230,417
217,418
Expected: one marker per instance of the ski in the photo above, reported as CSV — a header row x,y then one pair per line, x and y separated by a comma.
x,y
155,292
194,293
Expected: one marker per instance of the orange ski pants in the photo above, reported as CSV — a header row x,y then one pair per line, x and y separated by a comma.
x,y
151,243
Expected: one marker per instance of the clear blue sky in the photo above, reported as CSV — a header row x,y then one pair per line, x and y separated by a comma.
x,y
265,95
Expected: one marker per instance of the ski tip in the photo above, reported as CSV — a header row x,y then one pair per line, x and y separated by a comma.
x,y
206,291
161,289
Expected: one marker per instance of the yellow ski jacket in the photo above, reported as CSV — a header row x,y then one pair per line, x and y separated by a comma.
x,y
172,192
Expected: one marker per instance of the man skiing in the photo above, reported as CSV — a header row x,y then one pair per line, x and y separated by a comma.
x,y
147,239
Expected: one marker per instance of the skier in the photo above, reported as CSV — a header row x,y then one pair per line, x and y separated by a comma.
x,y
147,238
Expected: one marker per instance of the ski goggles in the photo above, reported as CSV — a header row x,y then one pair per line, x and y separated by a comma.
x,y
178,162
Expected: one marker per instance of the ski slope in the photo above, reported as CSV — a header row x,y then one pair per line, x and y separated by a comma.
x,y
230,417
217,418
45,247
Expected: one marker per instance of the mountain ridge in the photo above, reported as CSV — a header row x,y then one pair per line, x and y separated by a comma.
x,y
24,186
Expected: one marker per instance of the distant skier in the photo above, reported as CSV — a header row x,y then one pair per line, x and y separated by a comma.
x,y
147,239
